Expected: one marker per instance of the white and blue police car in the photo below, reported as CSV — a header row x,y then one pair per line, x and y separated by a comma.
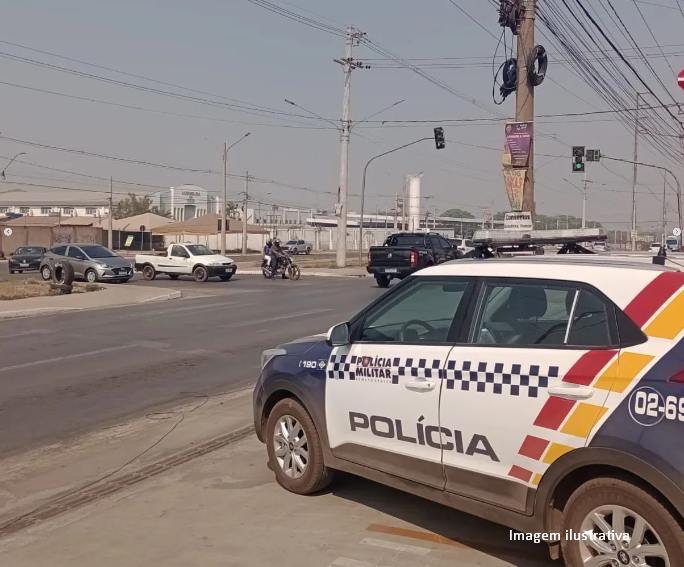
x,y
546,394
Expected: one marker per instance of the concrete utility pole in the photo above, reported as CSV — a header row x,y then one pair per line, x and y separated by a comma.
x,y
634,178
524,103
584,200
110,232
348,66
664,236
244,214
224,208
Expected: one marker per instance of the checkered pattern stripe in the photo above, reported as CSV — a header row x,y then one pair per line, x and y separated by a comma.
x,y
482,377
498,378
340,367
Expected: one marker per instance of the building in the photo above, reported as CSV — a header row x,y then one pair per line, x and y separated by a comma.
x,y
186,202
35,203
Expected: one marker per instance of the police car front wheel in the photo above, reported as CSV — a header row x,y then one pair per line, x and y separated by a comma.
x,y
295,450
612,522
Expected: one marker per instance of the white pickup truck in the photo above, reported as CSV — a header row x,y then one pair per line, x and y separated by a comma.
x,y
186,259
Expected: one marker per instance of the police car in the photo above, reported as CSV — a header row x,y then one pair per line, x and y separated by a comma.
x,y
545,394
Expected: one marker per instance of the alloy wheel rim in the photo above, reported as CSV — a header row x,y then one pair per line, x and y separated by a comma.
x,y
643,546
291,447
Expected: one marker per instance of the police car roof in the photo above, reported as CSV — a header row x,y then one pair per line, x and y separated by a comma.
x,y
546,266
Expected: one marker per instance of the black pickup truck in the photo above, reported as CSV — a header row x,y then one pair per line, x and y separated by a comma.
x,y
405,253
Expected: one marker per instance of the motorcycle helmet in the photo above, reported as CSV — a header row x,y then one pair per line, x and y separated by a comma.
x,y
269,242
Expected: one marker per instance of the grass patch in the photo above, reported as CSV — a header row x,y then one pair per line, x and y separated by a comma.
x,y
24,289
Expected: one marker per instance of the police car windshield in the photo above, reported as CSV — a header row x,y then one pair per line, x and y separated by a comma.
x,y
406,240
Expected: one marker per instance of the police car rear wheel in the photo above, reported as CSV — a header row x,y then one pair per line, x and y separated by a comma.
x,y
295,450
655,537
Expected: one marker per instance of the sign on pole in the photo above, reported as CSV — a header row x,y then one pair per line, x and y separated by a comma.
x,y
518,221
519,141
515,183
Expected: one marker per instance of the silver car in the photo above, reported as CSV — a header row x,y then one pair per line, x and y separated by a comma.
x,y
298,247
92,262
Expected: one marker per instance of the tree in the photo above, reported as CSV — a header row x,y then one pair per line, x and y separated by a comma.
x,y
458,214
132,206
232,210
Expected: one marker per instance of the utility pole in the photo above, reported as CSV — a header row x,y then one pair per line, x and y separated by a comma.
x,y
524,104
244,214
634,178
348,65
224,212
662,238
584,201
110,233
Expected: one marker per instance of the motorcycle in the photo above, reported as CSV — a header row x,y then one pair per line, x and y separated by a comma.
x,y
285,268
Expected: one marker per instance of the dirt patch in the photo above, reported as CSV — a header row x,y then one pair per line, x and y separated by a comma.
x,y
23,289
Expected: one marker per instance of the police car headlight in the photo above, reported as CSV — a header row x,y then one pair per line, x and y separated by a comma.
x,y
267,355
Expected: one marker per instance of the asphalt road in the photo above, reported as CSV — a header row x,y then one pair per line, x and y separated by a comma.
x,y
66,374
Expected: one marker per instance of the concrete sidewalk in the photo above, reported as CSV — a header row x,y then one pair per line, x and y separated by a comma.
x,y
219,506
114,295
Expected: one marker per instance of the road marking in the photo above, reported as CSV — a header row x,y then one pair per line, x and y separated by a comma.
x,y
401,547
516,550
272,319
25,333
345,562
67,357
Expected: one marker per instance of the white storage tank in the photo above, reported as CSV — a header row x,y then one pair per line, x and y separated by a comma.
x,y
414,203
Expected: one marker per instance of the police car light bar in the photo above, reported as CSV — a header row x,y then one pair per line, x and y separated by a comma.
x,y
500,237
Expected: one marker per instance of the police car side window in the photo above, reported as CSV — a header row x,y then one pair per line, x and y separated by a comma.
x,y
590,321
421,313
524,314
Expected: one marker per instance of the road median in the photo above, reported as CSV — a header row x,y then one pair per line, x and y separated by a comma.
x,y
112,295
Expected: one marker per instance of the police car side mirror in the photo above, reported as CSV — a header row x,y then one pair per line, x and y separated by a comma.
x,y
338,335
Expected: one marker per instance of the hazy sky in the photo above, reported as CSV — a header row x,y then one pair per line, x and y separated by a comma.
x,y
234,49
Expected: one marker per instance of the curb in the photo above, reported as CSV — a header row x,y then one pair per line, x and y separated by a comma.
x,y
39,311
315,274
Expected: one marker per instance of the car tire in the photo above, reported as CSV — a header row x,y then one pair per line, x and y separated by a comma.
x,y
226,277
46,273
63,273
91,276
308,251
382,281
148,272
599,497
173,276
294,471
200,274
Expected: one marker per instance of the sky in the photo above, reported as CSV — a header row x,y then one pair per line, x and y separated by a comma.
x,y
236,51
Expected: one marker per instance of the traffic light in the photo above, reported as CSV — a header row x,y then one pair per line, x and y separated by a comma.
x,y
593,155
440,143
578,159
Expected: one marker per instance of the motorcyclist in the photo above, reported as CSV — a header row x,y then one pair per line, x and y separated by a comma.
x,y
267,251
276,255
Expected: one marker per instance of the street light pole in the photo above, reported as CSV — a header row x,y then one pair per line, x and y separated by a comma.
x,y
224,220
363,187
2,174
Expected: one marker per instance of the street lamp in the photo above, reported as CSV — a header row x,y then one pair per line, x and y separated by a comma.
x,y
224,222
363,187
2,174
345,130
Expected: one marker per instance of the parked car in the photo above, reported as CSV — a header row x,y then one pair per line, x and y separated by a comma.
x,y
601,247
404,253
26,258
186,259
297,247
463,245
672,243
91,262
545,394
655,247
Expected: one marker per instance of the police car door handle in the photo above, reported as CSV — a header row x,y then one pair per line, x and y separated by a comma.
x,y
421,385
571,392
